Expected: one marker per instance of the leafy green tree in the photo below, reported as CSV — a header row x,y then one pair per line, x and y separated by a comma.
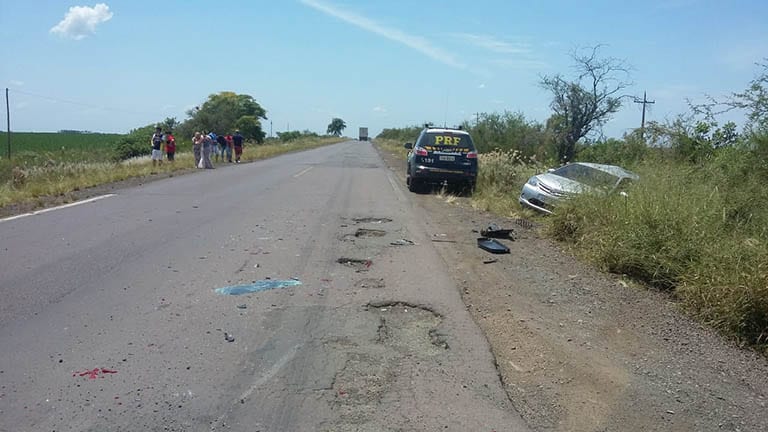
x,y
294,135
507,131
169,124
221,112
336,126
133,144
586,103
250,128
405,134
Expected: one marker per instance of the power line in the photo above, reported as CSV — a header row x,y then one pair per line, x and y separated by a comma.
x,y
86,105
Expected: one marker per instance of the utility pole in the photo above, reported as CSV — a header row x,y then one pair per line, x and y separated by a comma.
x,y
477,118
645,102
270,128
8,111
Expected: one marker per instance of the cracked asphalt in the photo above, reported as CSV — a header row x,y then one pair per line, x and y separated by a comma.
x,y
109,319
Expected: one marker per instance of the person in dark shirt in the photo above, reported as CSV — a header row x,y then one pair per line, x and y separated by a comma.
x,y
157,146
237,141
222,140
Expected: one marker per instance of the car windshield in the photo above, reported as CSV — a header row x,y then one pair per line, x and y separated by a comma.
x,y
447,139
587,175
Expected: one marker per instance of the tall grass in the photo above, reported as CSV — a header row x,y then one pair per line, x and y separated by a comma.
x,y
500,178
697,231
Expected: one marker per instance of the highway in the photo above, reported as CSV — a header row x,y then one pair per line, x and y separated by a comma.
x,y
110,321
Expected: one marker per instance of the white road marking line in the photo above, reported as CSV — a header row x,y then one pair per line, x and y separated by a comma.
x,y
302,172
76,203
268,375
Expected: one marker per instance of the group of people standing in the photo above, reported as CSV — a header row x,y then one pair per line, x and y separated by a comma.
x,y
157,141
203,144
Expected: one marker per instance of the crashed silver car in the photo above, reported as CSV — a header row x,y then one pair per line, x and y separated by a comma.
x,y
542,192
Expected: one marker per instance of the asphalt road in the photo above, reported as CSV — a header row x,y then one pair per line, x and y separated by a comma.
x,y
123,287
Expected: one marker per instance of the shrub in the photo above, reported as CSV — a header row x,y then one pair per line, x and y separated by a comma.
x,y
406,134
130,147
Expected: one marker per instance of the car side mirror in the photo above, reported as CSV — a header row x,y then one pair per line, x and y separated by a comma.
x,y
409,146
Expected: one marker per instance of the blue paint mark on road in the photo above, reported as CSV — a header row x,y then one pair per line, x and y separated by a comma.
x,y
257,286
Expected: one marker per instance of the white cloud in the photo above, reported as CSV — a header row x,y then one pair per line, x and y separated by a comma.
x,y
17,83
481,86
81,21
492,44
414,42
379,109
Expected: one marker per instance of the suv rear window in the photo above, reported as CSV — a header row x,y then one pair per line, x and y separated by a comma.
x,y
446,141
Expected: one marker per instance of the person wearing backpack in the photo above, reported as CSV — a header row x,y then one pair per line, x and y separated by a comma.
x,y
157,146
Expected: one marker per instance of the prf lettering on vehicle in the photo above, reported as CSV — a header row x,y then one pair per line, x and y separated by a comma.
x,y
447,140
443,149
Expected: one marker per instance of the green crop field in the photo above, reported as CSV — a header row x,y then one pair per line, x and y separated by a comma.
x,y
56,143
32,148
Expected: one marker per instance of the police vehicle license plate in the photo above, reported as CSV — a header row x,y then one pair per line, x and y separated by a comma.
x,y
448,158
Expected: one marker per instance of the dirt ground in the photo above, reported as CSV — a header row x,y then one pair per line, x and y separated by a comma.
x,y
579,350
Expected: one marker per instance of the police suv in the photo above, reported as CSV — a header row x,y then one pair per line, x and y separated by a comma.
x,y
442,156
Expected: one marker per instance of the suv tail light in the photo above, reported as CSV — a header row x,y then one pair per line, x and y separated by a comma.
x,y
472,155
421,152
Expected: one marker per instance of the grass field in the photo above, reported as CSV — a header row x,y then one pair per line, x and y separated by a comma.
x,y
58,146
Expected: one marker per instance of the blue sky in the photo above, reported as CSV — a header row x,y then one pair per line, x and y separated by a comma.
x,y
117,65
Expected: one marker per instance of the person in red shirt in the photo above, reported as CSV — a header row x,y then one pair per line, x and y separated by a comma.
x,y
230,144
170,146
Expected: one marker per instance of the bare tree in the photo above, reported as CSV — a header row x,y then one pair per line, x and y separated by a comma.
x,y
586,103
753,100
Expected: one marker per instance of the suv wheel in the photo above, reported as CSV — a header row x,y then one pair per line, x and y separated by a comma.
x,y
413,184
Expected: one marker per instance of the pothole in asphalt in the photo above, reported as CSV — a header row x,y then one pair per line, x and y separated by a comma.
x,y
372,220
366,232
409,327
356,263
371,283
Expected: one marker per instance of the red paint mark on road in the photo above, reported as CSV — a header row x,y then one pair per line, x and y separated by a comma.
x,y
94,373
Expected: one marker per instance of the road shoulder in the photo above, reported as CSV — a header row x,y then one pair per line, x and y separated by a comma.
x,y
581,350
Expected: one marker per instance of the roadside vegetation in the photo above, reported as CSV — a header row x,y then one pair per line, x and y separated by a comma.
x,y
695,225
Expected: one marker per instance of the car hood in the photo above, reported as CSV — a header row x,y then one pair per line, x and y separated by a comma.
x,y
562,184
